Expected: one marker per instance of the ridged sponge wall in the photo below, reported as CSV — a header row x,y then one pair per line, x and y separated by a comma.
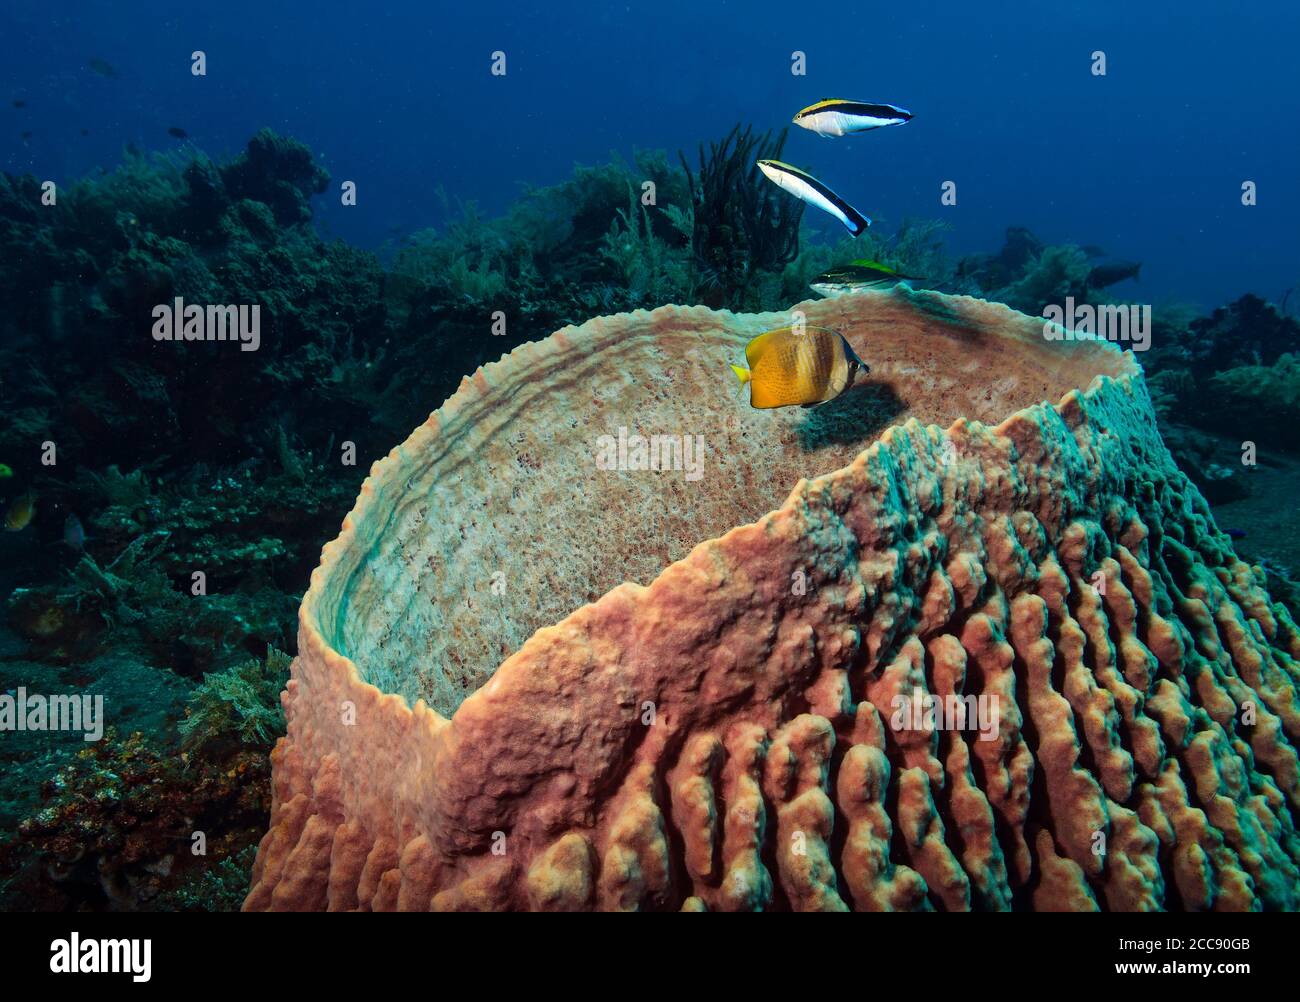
x,y
729,737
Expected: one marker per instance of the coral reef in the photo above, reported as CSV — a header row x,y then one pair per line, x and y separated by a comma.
x,y
589,243
730,737
1026,275
173,461
117,830
1248,330
116,825
1244,393
238,706
1211,377
1222,380
150,231
209,461
742,226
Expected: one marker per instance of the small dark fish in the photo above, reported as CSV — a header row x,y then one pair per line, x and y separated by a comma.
x,y
1104,275
178,133
19,103
21,513
85,132
28,135
1093,251
103,68
74,535
1236,533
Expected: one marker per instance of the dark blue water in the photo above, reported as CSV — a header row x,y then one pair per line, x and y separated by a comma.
x,y
1147,161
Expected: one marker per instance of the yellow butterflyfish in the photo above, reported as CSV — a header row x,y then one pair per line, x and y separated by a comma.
x,y
798,366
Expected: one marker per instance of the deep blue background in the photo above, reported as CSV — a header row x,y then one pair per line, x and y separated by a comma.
x,y
1147,161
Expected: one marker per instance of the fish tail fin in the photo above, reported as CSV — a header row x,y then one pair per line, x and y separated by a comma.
x,y
858,223
744,375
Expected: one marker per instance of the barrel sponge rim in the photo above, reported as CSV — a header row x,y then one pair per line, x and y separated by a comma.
x,y
479,384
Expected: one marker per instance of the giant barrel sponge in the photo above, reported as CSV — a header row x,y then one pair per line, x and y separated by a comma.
x,y
531,676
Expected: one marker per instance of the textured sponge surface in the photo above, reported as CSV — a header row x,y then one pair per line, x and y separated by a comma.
x,y
527,495
736,734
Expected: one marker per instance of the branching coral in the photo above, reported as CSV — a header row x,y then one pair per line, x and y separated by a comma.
x,y
1248,331
743,225
575,234
1057,272
480,284
240,705
217,888
115,590
1243,358
277,172
117,489
145,193
1244,394
652,271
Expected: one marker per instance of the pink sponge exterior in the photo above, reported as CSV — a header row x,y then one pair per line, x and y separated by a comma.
x,y
729,737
